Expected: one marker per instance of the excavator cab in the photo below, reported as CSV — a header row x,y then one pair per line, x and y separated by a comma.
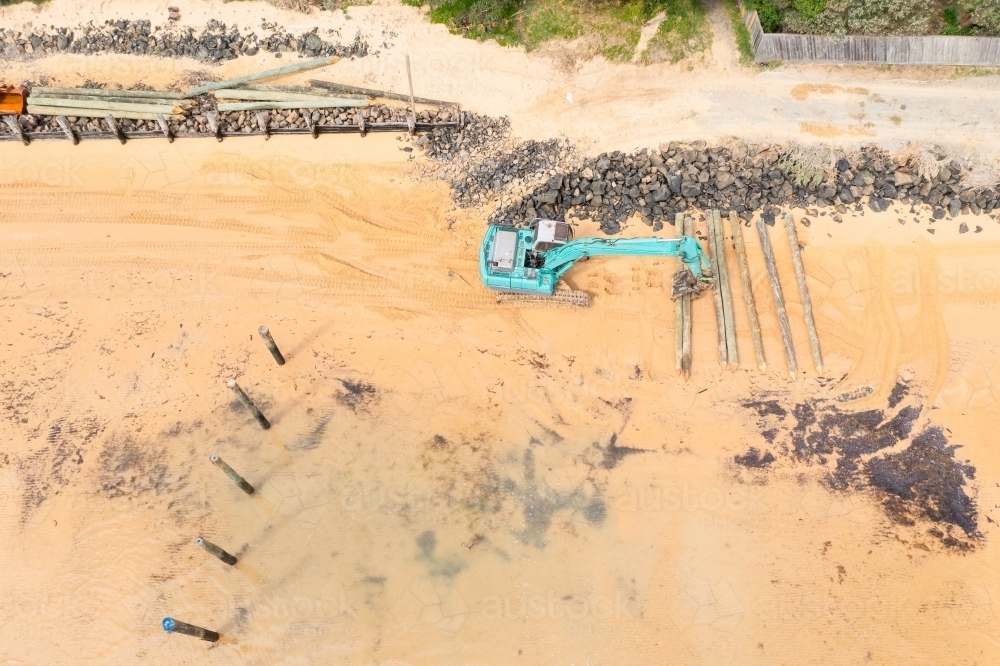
x,y
549,234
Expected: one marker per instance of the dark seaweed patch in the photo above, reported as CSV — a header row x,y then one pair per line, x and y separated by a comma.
x,y
766,408
596,511
130,469
427,542
613,454
312,439
49,469
754,459
356,394
899,391
923,481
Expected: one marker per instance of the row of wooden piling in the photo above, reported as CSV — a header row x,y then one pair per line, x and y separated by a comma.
x,y
723,300
166,106
170,624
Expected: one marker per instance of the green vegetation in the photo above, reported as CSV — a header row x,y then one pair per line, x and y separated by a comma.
x,y
985,16
684,30
809,8
743,42
768,13
879,17
609,27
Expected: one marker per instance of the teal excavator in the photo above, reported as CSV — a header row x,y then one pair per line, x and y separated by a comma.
x,y
527,262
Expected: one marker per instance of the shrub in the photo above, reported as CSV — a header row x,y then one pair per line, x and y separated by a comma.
x,y
810,9
985,17
883,17
768,13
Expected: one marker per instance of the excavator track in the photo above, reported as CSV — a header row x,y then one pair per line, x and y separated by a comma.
x,y
561,298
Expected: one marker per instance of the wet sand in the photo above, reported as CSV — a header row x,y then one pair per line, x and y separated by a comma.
x,y
449,480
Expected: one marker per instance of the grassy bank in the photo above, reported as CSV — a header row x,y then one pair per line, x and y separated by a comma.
x,y
610,28
743,42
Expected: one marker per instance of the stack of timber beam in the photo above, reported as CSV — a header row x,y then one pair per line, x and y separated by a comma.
x,y
99,102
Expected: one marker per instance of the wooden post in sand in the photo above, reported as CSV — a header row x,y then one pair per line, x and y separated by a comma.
x,y
63,122
248,403
800,277
165,127
216,551
679,306
15,127
748,300
213,123
262,124
113,126
686,310
732,352
265,335
177,627
232,474
779,299
720,314
413,105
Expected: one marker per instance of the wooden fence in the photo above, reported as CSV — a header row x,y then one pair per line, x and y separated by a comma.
x,y
864,49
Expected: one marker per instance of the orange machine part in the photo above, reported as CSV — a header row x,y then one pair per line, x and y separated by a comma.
x,y
11,99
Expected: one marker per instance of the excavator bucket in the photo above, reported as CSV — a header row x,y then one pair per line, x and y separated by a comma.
x,y
686,284
11,100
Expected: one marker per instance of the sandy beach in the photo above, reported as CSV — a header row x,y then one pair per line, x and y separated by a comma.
x,y
448,479
453,480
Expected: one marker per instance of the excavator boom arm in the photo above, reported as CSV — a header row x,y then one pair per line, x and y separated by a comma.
x,y
562,258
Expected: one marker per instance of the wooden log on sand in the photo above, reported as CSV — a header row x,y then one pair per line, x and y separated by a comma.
x,y
800,277
103,92
279,96
94,113
720,315
93,101
105,105
301,90
378,94
779,299
748,299
266,74
679,306
686,305
226,107
722,270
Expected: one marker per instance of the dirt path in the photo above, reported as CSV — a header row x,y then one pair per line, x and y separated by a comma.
x,y
725,56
